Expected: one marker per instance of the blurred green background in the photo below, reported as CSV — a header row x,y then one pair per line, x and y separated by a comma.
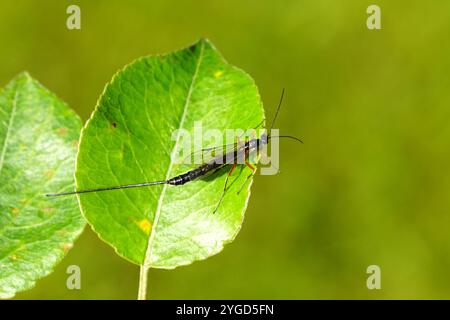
x,y
369,186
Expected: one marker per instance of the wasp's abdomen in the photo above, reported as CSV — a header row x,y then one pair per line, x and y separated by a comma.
x,y
193,174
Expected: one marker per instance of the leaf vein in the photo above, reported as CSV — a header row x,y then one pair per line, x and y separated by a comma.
x,y
149,250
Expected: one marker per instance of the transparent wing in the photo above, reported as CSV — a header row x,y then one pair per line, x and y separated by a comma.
x,y
206,154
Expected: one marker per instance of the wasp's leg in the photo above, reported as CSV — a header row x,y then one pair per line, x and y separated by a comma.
x,y
248,177
245,182
250,166
224,188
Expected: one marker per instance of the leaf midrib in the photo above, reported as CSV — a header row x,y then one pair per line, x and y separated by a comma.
x,y
149,249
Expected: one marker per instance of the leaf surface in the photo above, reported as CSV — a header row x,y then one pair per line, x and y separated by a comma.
x,y
131,138
38,143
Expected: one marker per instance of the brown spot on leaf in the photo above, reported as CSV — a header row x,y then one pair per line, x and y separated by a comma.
x,y
15,211
48,209
49,173
114,125
62,131
67,246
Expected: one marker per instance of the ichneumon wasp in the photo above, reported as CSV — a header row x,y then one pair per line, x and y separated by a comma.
x,y
225,156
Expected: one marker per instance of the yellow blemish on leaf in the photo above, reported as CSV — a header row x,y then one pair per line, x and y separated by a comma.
x,y
14,257
15,211
145,225
218,73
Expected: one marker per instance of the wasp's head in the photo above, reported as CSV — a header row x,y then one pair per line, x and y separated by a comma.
x,y
264,138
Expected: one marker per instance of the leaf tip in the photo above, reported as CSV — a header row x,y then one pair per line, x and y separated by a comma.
x,y
202,41
24,75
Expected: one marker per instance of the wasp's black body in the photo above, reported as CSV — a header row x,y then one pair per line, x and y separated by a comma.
x,y
233,157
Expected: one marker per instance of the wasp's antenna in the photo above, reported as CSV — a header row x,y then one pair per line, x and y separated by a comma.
x,y
278,109
290,137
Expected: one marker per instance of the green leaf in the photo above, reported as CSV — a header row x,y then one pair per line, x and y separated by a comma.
x,y
129,140
38,143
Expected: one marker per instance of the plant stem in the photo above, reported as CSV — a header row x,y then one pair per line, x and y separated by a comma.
x,y
142,293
